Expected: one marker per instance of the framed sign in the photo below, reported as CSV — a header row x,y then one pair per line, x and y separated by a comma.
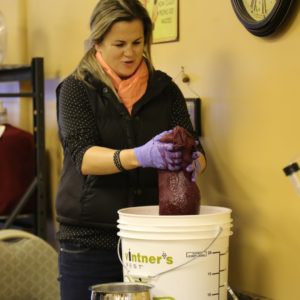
x,y
194,109
164,15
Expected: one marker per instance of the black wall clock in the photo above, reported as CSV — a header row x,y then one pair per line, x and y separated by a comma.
x,y
261,17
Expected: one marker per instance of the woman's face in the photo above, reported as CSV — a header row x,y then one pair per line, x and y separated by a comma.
x,y
122,47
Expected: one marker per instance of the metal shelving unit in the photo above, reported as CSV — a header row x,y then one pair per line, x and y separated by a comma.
x,y
34,74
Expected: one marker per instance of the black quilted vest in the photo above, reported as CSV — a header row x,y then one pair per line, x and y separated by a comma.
x,y
95,200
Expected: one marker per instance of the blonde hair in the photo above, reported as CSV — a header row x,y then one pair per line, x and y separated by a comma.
x,y
104,16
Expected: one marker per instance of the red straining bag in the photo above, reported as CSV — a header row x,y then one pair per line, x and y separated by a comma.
x,y
178,194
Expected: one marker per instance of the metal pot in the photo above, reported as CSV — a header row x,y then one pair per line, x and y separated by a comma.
x,y
121,291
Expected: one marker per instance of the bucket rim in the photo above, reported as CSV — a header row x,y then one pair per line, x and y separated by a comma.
x,y
124,212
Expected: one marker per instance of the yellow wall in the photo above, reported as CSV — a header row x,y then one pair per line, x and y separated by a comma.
x,y
251,101
14,12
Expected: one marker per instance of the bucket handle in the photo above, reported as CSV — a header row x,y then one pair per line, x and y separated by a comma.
x,y
172,269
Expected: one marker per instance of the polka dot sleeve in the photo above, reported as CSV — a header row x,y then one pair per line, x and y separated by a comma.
x,y
76,120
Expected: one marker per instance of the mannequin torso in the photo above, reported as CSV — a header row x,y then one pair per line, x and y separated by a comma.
x,y
3,118
2,128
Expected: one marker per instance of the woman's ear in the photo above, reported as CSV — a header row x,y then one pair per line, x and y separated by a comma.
x,y
97,47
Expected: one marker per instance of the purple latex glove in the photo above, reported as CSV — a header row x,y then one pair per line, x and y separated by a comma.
x,y
159,155
194,166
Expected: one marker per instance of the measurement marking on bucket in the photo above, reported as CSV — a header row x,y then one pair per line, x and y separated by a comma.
x,y
196,254
217,273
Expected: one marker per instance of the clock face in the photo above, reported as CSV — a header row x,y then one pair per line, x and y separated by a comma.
x,y
259,9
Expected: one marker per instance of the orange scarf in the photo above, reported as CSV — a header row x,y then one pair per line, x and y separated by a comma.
x,y
130,90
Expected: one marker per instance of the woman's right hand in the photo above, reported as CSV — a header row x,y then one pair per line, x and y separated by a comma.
x,y
159,155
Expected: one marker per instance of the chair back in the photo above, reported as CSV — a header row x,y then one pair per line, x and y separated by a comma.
x,y
28,267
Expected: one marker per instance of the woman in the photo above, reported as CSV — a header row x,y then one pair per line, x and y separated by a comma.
x,y
112,112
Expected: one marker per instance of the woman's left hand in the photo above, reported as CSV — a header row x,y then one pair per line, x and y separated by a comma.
x,y
194,166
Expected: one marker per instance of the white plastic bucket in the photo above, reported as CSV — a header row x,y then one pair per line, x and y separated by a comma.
x,y
184,257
